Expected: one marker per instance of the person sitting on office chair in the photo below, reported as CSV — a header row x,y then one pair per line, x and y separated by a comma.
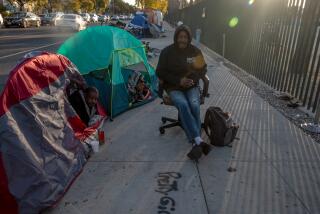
x,y
180,67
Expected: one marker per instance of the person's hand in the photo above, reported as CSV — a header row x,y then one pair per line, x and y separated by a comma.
x,y
186,83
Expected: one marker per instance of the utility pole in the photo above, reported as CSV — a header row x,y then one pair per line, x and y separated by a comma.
x,y
113,8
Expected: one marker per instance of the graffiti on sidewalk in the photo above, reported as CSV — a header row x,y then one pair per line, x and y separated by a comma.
x,y
167,182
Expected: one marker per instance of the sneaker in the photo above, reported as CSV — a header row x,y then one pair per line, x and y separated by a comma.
x,y
206,148
195,153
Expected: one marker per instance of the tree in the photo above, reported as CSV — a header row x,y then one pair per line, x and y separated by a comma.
x,y
118,6
55,5
161,5
21,3
157,4
101,5
2,8
40,5
87,6
140,3
72,6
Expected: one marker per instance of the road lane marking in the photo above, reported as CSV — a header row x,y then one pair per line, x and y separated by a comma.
x,y
34,36
45,46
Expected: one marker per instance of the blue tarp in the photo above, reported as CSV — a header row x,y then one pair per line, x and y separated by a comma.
x,y
140,21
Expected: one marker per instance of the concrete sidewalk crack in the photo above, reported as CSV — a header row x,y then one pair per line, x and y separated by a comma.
x,y
203,192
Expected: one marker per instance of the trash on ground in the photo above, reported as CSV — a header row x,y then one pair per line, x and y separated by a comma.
x,y
231,169
311,127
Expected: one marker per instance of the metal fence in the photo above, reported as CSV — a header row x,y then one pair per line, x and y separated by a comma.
x,y
277,41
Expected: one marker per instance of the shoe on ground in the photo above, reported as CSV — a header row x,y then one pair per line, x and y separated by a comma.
x,y
195,153
206,148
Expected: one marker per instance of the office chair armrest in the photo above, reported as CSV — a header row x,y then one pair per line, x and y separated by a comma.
x,y
205,89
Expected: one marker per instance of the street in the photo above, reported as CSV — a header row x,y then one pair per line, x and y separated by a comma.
x,y
16,42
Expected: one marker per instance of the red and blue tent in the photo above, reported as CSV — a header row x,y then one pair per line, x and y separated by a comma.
x,y
41,149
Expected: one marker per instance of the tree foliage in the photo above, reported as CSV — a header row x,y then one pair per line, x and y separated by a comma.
x,y
98,6
101,5
120,7
55,5
72,6
87,6
161,5
140,3
40,6
157,4
21,3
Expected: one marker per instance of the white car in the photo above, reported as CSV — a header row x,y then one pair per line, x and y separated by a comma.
x,y
51,18
71,21
1,20
86,17
131,16
114,18
94,17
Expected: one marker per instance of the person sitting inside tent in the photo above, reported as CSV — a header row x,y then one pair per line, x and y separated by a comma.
x,y
84,103
138,90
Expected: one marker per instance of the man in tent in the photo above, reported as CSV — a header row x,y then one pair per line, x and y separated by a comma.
x,y
181,66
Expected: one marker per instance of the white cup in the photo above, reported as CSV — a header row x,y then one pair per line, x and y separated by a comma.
x,y
95,146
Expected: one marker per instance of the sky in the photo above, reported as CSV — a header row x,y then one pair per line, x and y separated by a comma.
x,y
132,2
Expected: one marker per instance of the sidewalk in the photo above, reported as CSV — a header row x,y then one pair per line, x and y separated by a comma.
x,y
277,165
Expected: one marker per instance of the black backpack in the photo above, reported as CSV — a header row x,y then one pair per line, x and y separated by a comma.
x,y
219,127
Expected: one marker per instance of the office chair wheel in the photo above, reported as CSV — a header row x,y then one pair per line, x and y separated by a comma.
x,y
163,120
161,130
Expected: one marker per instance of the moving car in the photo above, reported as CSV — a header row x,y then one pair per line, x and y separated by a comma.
x,y
43,18
94,17
51,18
71,21
22,19
131,16
86,17
114,18
1,20
103,18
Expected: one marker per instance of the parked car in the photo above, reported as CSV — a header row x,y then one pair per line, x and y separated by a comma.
x,y
108,18
94,18
51,18
114,18
71,21
103,18
22,19
43,18
86,17
1,20
122,17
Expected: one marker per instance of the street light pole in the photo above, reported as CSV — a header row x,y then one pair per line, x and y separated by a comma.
x,y
113,8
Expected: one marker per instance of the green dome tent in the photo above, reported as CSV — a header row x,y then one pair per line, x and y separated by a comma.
x,y
106,57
